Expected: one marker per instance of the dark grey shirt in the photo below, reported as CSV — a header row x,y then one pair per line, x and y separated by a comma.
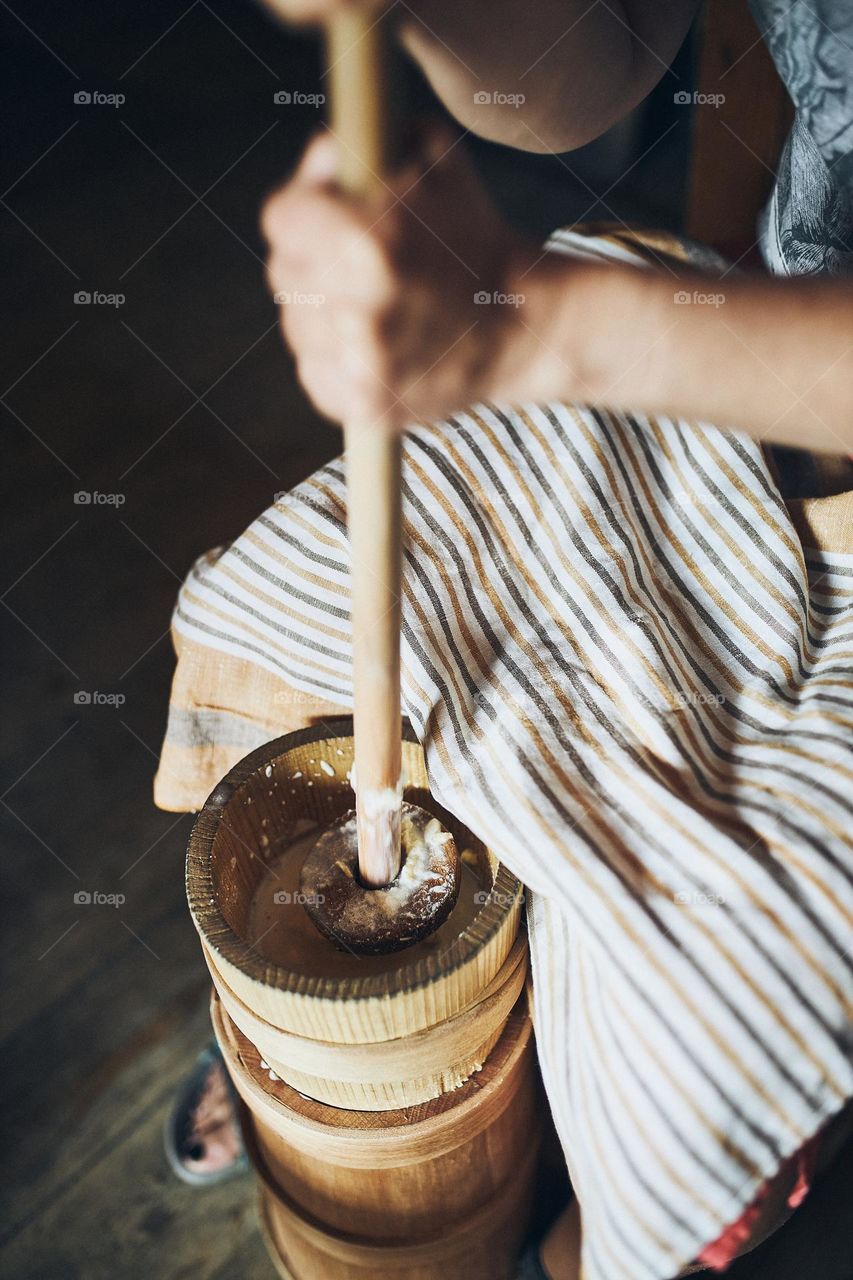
x,y
807,226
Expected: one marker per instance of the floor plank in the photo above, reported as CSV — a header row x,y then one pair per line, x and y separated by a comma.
x,y
104,1007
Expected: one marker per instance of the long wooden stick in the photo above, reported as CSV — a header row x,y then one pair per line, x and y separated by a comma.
x,y
360,121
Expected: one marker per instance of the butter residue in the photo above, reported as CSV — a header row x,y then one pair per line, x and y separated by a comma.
x,y
425,868
422,849
375,802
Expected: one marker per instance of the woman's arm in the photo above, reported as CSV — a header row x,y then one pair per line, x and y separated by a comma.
x,y
770,357
421,301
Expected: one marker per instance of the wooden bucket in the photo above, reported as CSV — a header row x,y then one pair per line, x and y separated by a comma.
x,y
370,1032
436,1192
408,1070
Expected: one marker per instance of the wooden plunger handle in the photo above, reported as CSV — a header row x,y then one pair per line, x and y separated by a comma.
x,y
359,120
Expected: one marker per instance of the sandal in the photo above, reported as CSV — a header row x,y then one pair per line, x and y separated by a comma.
x,y
530,1267
202,1136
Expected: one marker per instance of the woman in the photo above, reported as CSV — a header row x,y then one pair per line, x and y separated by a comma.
x,y
606,605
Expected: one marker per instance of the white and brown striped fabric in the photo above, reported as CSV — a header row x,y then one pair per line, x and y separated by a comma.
x,y
635,684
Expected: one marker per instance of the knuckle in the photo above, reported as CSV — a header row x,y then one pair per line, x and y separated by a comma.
x,y
387,320
291,328
274,214
366,255
312,371
373,266
365,346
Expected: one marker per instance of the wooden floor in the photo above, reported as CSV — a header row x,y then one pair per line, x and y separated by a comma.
x,y
181,402
105,1007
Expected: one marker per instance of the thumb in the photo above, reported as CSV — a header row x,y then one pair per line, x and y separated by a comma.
x,y
319,165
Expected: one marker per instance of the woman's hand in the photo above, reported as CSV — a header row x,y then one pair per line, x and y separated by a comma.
x,y
386,325
399,307
313,11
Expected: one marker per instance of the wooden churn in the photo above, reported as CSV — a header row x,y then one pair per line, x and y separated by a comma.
x,y
391,1102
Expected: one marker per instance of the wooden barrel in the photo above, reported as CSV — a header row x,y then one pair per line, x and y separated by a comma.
x,y
371,1032
436,1192
408,1070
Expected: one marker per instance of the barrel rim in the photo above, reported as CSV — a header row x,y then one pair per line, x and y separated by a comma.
x,y
225,942
475,1104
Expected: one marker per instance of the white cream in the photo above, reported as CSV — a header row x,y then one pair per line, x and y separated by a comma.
x,y
375,802
422,845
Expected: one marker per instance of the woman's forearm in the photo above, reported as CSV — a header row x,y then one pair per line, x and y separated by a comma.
x,y
433,303
772,358
547,75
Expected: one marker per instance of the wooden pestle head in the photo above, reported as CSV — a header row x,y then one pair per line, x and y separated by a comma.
x,y
373,921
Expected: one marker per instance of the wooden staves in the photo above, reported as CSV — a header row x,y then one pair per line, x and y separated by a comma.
x,y
423,1168
390,1073
427,1193
373,1032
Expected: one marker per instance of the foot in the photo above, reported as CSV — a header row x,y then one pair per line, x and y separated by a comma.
x,y
530,1267
557,1256
202,1137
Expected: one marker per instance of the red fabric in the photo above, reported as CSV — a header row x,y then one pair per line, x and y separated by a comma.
x,y
723,1251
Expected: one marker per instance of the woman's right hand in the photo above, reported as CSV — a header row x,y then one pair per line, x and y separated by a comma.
x,y
400,306
312,11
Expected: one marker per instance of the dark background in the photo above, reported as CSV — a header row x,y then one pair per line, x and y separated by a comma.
x,y
182,402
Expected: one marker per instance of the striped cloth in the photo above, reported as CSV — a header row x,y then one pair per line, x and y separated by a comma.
x,y
632,681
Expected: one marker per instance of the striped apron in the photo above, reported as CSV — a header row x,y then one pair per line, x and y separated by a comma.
x,y
630,669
